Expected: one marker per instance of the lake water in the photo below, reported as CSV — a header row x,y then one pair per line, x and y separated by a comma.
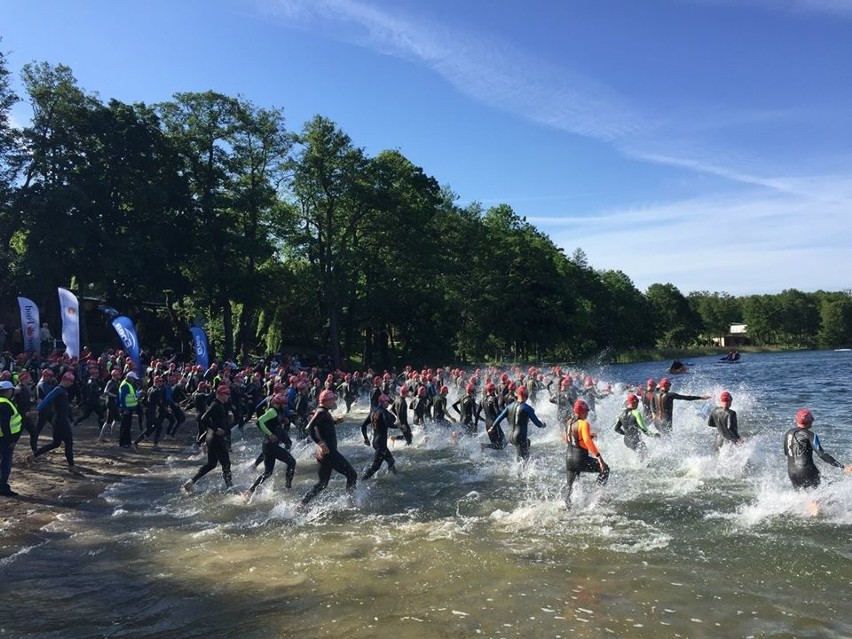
x,y
463,543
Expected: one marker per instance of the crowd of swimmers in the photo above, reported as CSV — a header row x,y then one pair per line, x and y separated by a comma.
x,y
285,402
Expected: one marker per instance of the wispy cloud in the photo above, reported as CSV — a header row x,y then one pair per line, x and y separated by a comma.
x,y
731,241
495,73
483,68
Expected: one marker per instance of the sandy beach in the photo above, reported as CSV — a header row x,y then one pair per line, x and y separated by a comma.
x,y
48,490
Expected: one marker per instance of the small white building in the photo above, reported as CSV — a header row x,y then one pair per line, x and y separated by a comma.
x,y
737,336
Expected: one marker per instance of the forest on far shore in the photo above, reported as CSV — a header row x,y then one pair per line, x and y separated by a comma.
x,y
208,209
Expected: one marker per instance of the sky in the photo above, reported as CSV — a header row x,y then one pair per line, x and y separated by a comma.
x,y
702,143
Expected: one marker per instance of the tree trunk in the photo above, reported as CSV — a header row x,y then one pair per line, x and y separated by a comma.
x,y
228,327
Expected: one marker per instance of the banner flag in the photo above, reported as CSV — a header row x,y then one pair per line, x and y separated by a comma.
x,y
199,343
70,322
29,325
127,334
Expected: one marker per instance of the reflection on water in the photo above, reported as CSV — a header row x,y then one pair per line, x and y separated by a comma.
x,y
464,543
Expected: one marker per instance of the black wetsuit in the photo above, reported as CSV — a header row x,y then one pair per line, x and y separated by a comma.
x,y
272,451
23,401
61,424
420,406
322,429
216,418
155,414
491,409
579,459
665,407
468,414
439,410
631,424
519,415
93,404
800,444
400,409
724,420
381,420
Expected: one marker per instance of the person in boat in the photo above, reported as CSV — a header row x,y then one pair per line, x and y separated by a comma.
x,y
724,420
800,444
678,368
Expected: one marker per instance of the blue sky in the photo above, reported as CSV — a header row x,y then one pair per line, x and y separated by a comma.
x,y
705,143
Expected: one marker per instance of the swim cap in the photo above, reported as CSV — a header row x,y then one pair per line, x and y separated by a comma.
x,y
444,390
279,398
522,392
202,384
726,397
804,417
384,399
131,375
665,382
581,407
158,379
490,387
68,377
469,388
224,389
5,375
327,396
632,399
421,391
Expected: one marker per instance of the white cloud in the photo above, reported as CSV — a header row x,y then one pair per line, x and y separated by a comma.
x,y
749,243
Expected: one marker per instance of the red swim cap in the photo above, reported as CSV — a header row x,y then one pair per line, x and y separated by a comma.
x,y
327,396
726,397
665,382
804,417
581,407
522,392
223,390
632,399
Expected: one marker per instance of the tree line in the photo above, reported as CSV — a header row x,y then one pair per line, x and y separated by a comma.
x,y
211,208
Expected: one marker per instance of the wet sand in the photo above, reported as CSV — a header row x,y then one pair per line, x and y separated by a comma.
x,y
47,489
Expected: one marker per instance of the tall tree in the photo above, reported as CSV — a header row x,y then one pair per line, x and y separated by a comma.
x,y
676,324
9,164
327,186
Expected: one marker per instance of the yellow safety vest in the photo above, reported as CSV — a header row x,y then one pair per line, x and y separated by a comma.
x,y
15,422
130,401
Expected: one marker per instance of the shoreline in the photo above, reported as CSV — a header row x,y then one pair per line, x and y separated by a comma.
x,y
47,490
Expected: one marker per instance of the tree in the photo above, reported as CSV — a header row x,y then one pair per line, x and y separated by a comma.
x,y
717,311
326,186
9,165
835,321
676,324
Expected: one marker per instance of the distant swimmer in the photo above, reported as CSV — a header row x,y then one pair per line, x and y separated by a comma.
x,y
724,420
631,424
800,444
582,456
